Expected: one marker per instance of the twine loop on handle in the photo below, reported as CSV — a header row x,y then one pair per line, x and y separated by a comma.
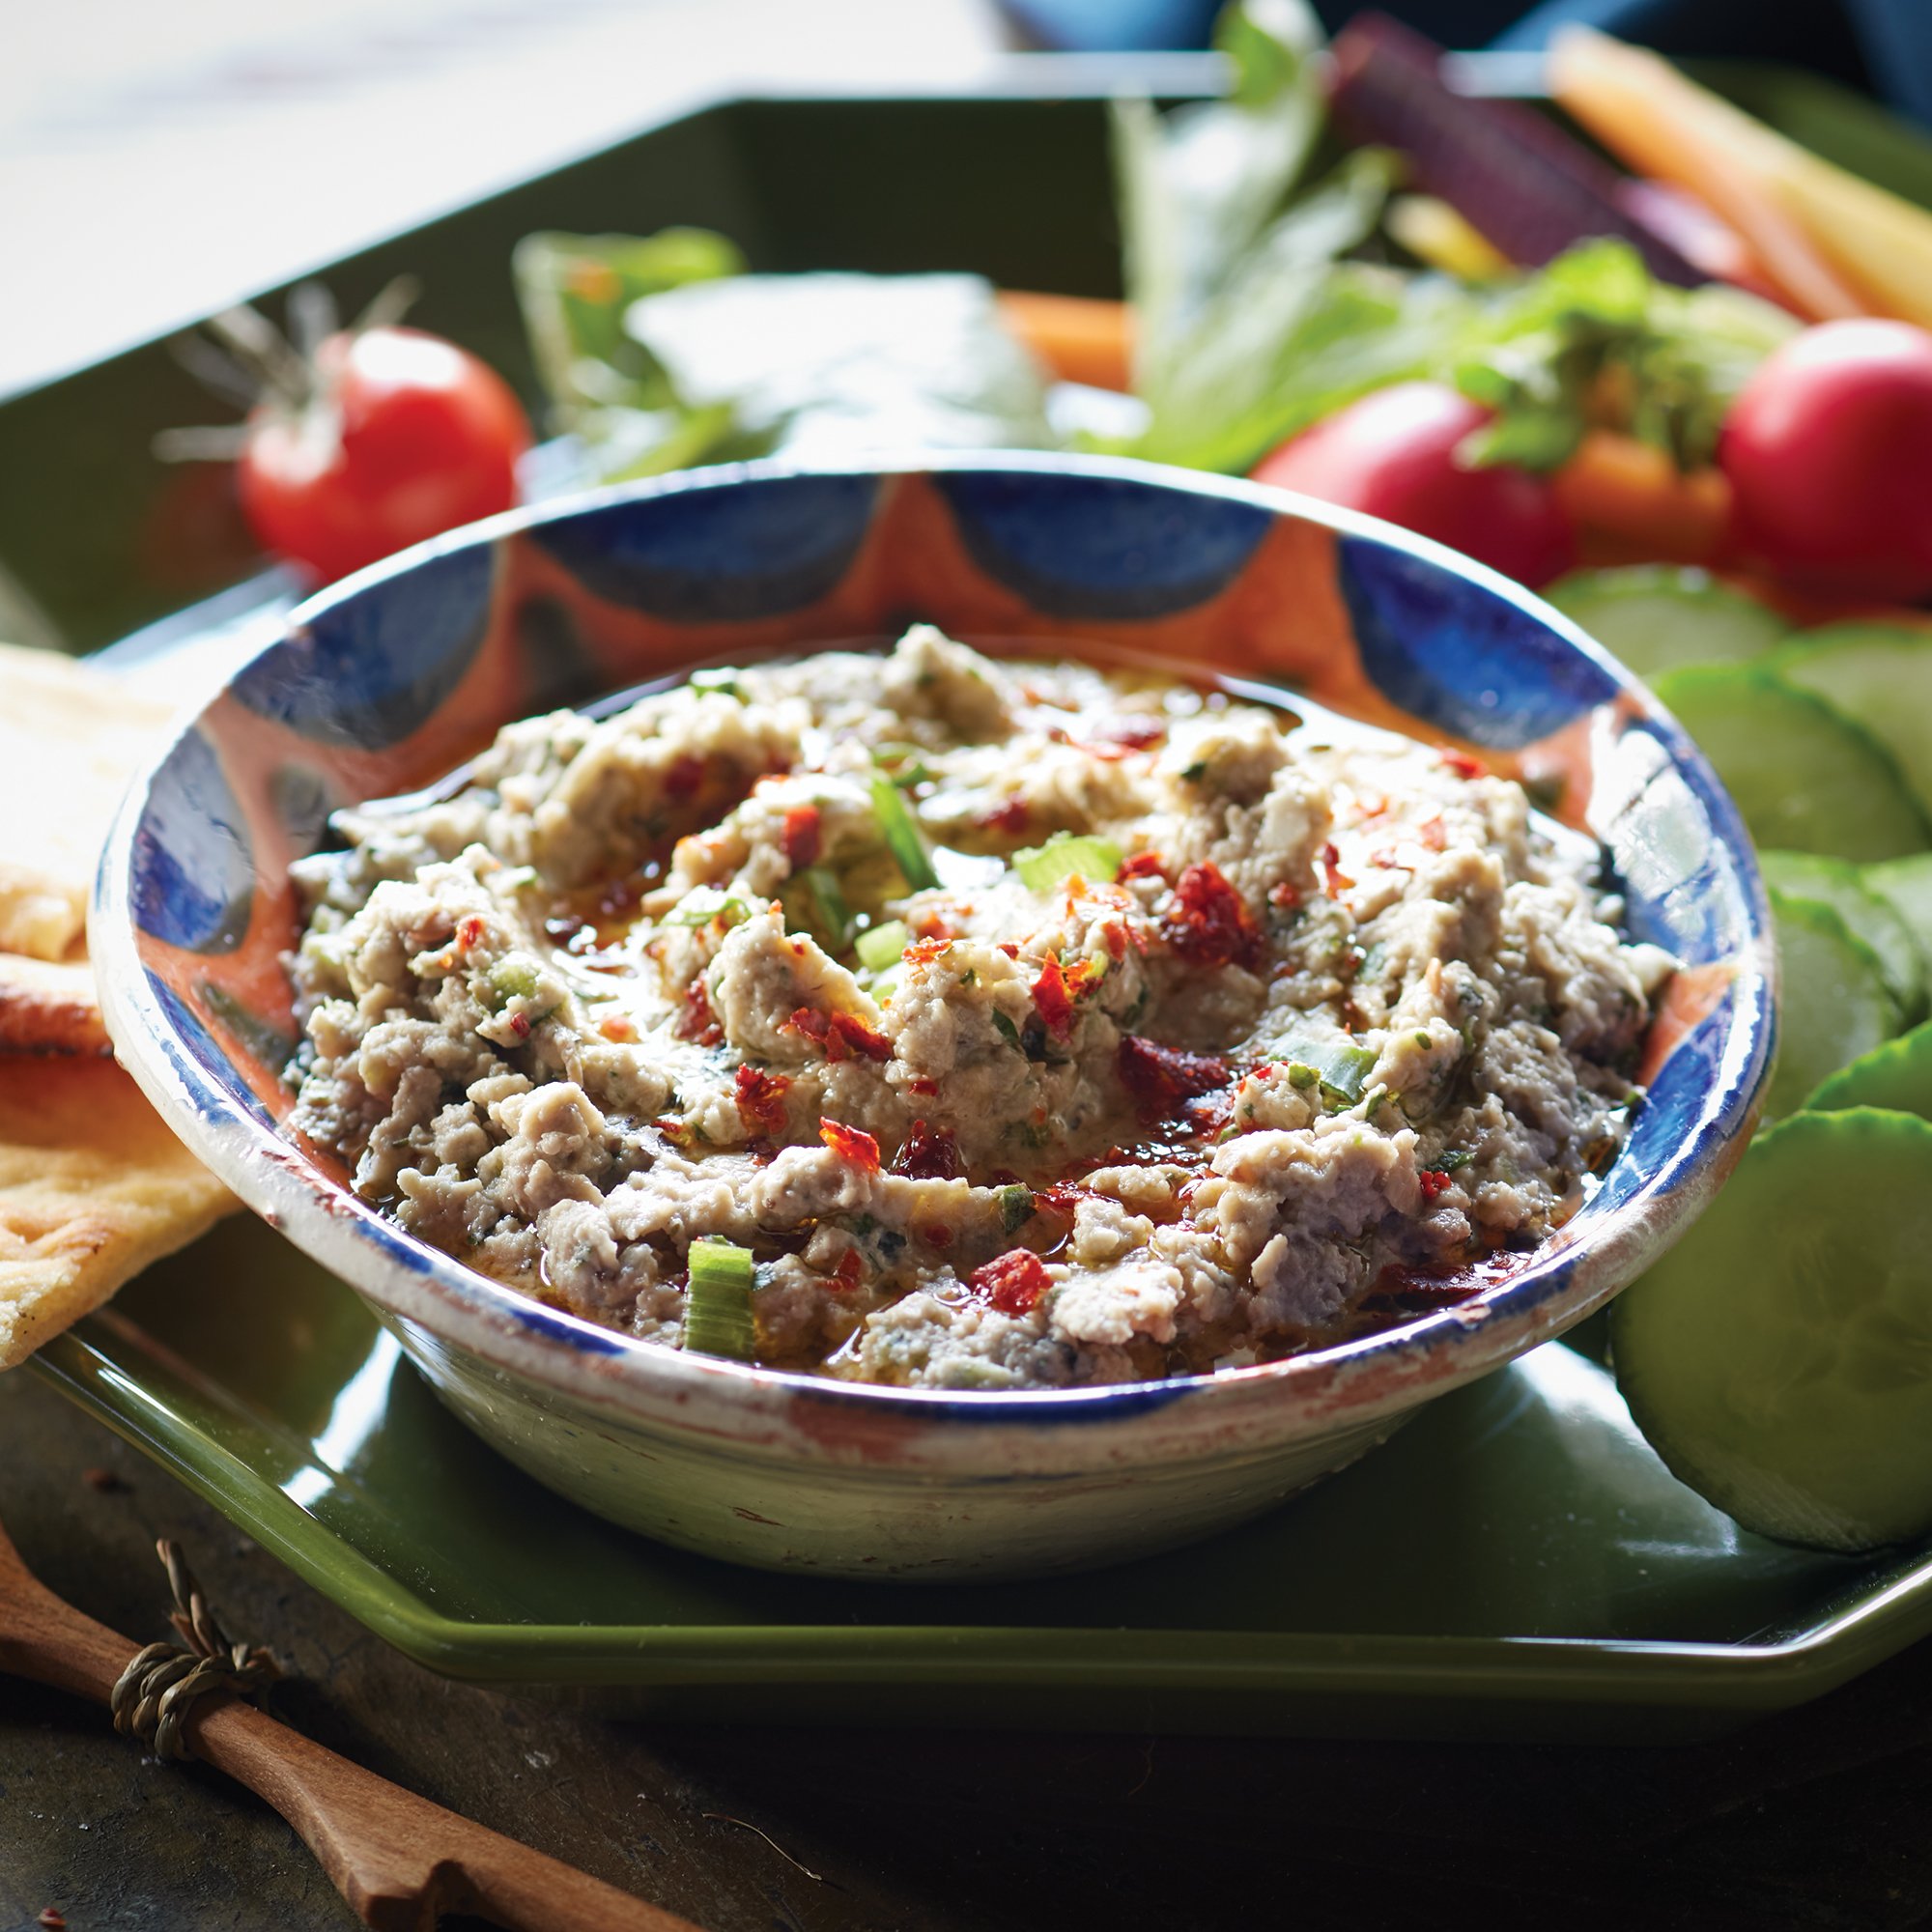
x,y
152,1698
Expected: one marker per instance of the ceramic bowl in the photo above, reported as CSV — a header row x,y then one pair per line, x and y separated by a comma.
x,y
386,681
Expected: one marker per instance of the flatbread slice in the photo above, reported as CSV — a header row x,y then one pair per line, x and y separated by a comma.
x,y
49,1006
70,738
93,1187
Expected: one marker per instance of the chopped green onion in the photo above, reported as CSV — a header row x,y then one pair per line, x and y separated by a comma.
x,y
1007,1030
1340,1064
884,945
909,759
1044,866
706,904
1016,1207
902,835
813,897
717,1301
723,681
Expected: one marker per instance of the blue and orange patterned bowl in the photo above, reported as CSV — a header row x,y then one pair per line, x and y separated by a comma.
x,y
386,681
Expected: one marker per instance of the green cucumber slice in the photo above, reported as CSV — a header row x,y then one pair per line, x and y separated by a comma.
x,y
1880,676
1780,1357
1898,1075
1836,1005
1907,883
1805,778
1655,616
1867,915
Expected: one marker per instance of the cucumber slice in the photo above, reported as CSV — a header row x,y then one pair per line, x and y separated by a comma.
x,y
1880,676
1655,616
1907,884
1836,1005
1867,915
1898,1075
1805,778
1780,1357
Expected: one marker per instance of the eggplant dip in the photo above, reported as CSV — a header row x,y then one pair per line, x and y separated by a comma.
x,y
959,1022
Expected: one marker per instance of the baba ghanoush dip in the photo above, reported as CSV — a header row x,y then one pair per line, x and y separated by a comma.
x,y
962,1022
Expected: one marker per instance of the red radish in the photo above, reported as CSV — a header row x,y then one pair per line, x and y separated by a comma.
x,y
1396,454
1829,450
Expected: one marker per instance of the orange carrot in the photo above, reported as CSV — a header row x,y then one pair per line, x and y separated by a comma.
x,y
1629,500
1081,340
1662,124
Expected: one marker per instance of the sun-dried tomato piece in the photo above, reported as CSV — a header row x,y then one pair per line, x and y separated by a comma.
x,y
1051,997
1012,815
850,1144
761,1099
930,1154
684,775
919,1084
1159,1078
934,1234
1013,1281
804,835
859,1038
1206,921
1143,866
698,1022
1335,879
1463,765
1285,896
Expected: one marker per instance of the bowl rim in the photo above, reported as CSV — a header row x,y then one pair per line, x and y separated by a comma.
x,y
1353,1381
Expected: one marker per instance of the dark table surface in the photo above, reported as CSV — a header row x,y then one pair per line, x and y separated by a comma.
x,y
1820,1819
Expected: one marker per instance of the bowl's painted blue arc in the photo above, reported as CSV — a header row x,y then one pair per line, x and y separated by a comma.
x,y
208,1058
194,867
374,667
1102,546
1455,653
719,556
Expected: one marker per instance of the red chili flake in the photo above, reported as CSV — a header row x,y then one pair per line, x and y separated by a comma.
x,y
1143,866
520,1025
52,1918
1013,815
1159,1078
1012,951
1463,765
931,928
1338,881
1285,896
760,1098
1082,977
934,1234
685,776
1206,923
920,1085
849,1272
469,933
1013,1283
930,1154
1115,934
922,951
1051,997
804,835
1430,835
1434,1182
618,1029
850,1144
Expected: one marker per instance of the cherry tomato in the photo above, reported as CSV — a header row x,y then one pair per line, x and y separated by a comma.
x,y
404,437
1828,449
1394,455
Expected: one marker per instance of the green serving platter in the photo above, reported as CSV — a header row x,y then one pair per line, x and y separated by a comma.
x,y
1515,1562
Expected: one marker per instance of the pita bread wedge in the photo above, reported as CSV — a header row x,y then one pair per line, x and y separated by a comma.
x,y
70,738
93,1187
